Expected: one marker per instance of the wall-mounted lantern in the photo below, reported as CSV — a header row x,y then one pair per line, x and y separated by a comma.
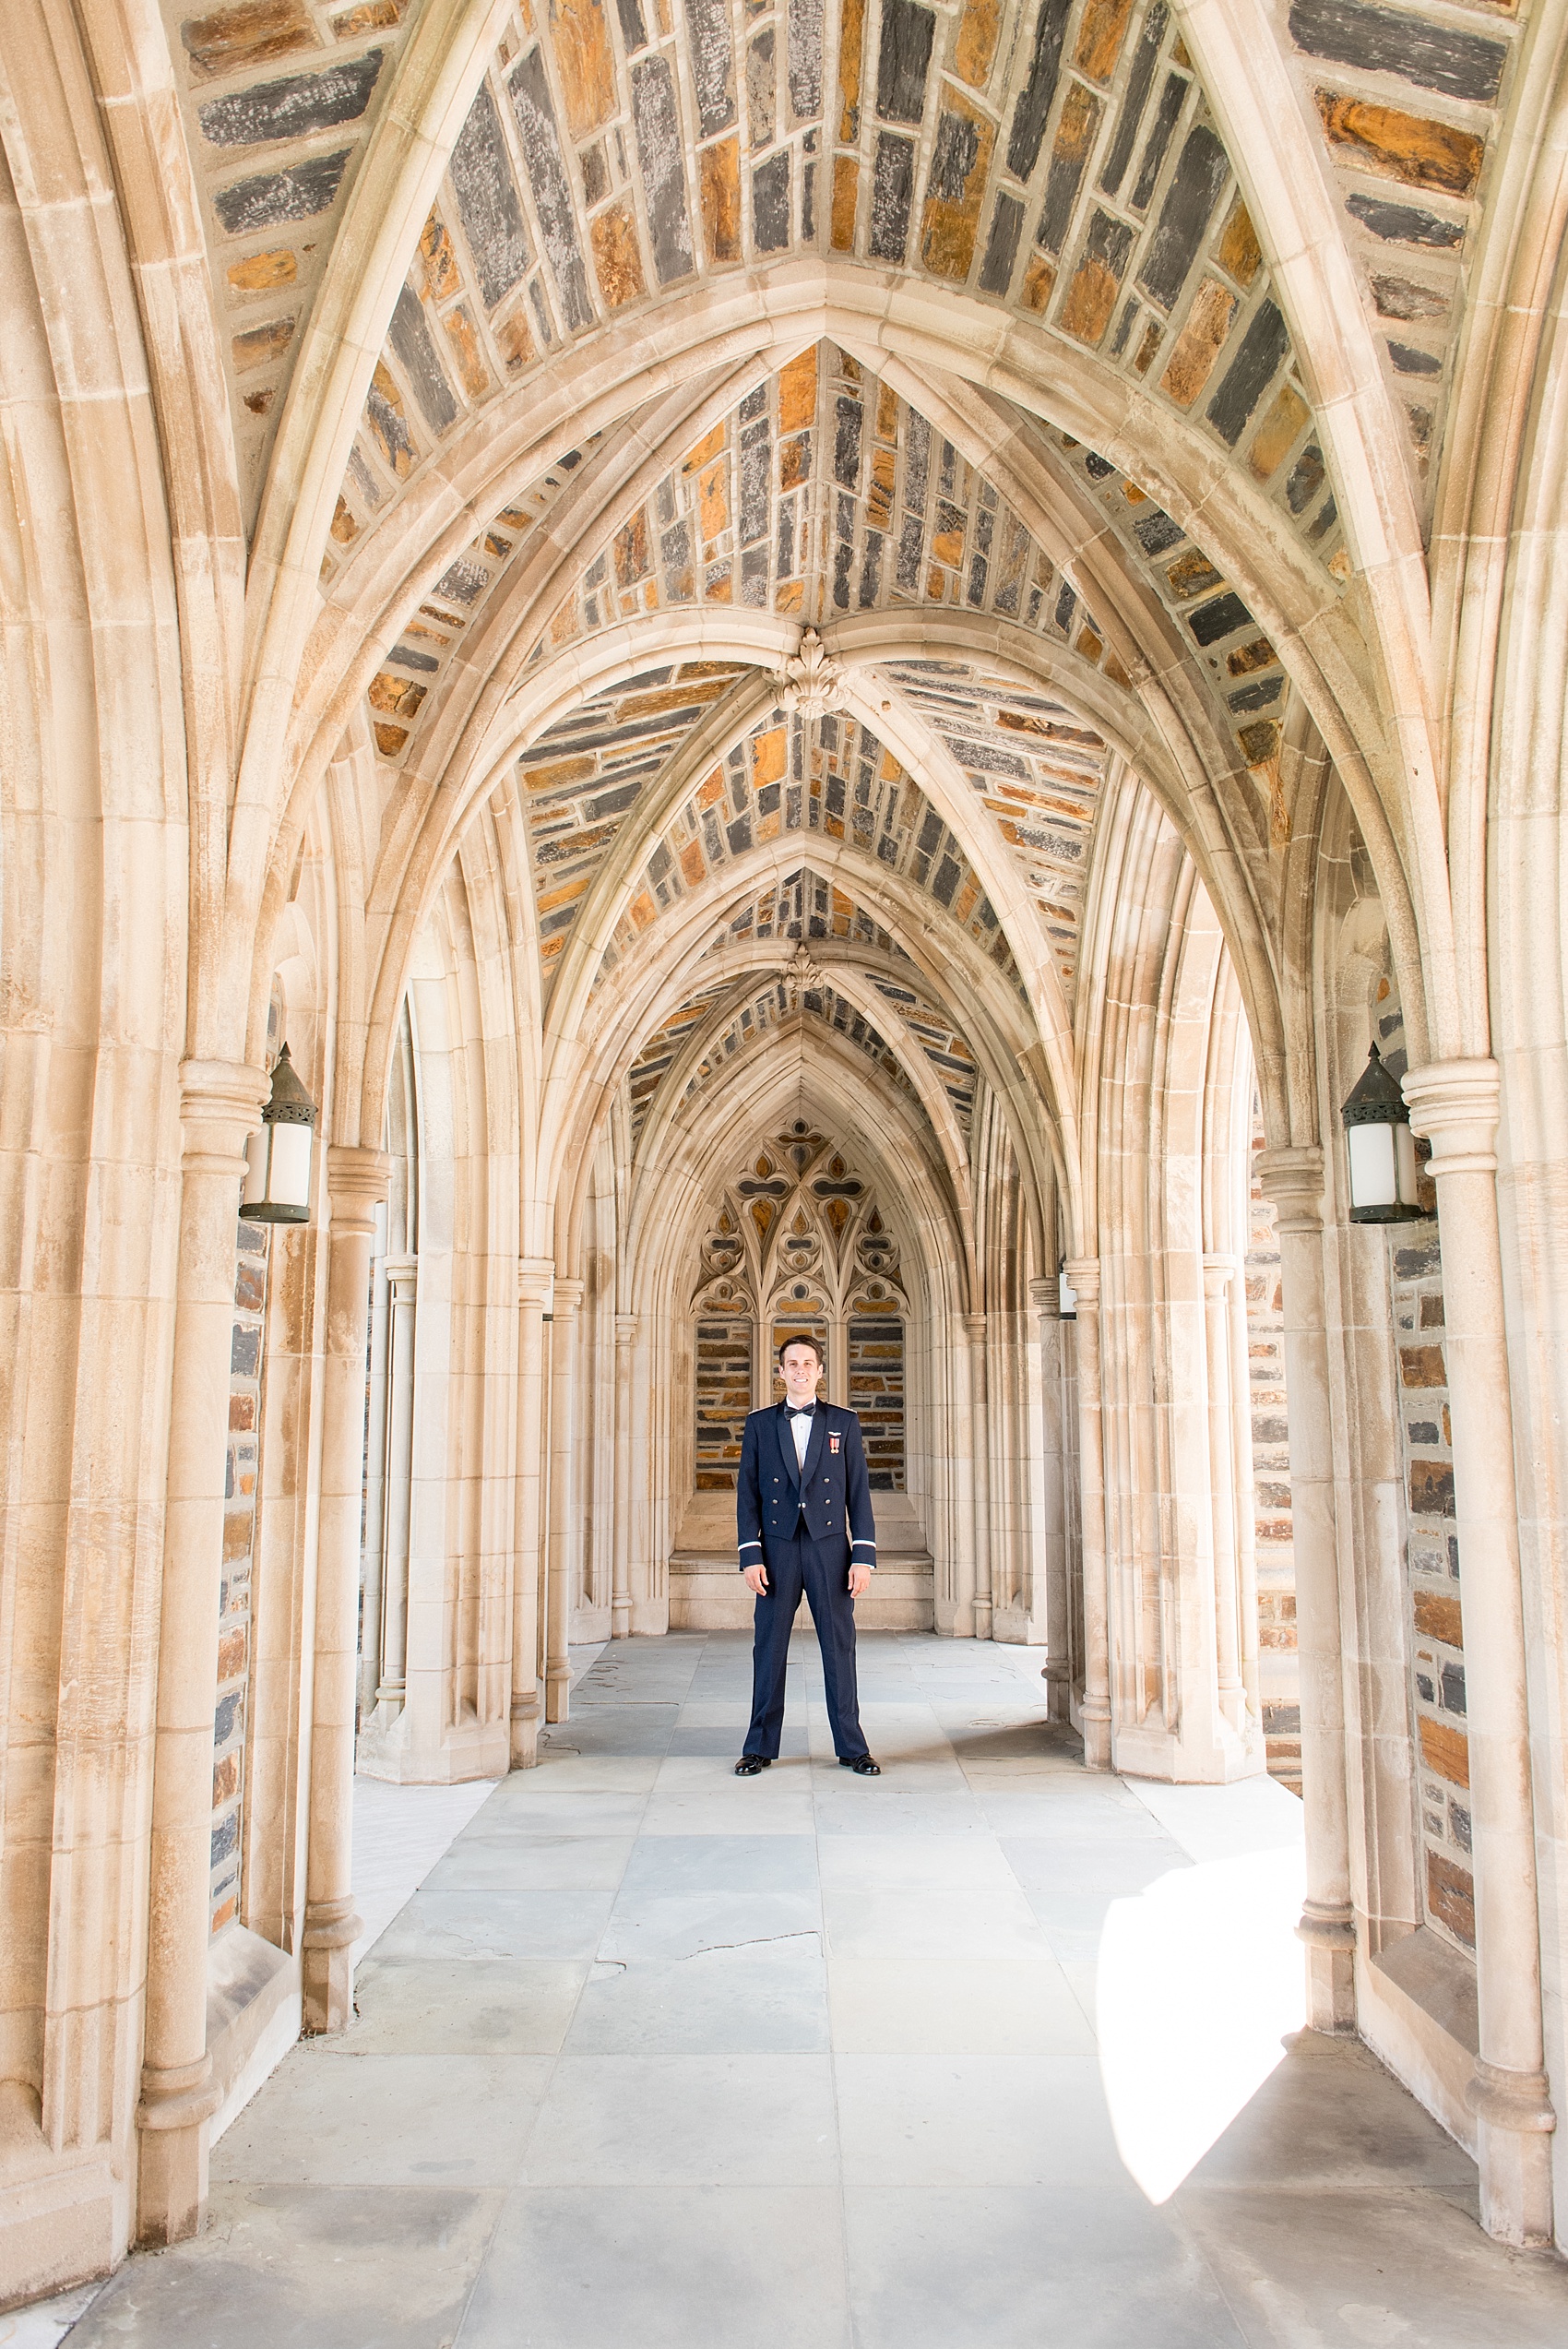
x,y
1384,1167
278,1157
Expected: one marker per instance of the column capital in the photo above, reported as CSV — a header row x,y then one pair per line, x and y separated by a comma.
x,y
220,1105
1045,1296
975,1326
403,1276
357,1181
1292,1179
625,1328
1083,1277
1218,1273
536,1282
1455,1103
569,1296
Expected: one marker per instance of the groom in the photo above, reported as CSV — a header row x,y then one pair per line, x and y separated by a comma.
x,y
803,1522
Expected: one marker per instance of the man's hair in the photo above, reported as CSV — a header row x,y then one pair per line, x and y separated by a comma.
x,y
803,1338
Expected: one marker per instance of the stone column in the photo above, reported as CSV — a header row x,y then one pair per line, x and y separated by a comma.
x,y
1218,1273
1246,1494
356,1180
402,1278
1455,1103
1045,1296
975,1325
219,1106
621,1599
562,1517
1293,1180
536,1276
1083,1274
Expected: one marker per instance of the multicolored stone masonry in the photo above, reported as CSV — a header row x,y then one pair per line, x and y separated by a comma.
x,y
234,1599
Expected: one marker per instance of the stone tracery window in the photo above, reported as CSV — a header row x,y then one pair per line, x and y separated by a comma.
x,y
797,1243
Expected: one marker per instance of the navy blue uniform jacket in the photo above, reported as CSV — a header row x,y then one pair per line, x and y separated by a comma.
x,y
832,1487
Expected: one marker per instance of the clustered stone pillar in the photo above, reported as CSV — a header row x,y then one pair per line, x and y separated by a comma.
x,y
621,1598
402,1304
1083,1275
563,1415
1045,1296
356,1180
219,1106
1456,1104
536,1276
1292,1179
1218,1273
975,1327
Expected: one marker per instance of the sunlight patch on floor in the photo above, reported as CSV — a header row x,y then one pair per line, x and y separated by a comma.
x,y
1201,1978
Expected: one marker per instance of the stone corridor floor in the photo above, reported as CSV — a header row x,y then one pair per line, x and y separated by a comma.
x,y
659,2059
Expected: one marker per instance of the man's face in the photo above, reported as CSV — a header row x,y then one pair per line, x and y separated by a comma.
x,y
800,1370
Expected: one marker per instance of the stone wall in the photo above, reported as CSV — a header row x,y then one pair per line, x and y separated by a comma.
x,y
1273,1528
234,1603
1437,1644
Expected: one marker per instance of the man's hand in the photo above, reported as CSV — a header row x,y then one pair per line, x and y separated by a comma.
x,y
859,1580
755,1579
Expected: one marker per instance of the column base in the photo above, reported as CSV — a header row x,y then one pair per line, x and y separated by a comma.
x,y
326,1966
620,1619
982,1618
1514,2120
1329,1936
525,1731
1096,1725
172,2119
558,1695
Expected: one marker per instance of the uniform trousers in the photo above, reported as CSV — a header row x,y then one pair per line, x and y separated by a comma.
x,y
822,1570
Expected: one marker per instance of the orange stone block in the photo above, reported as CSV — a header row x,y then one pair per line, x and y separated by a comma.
x,y
248,35
344,527
1402,147
259,344
1101,36
463,336
1199,344
851,44
1239,250
580,38
1278,433
718,178
1438,1616
705,449
1040,284
514,340
1445,1750
768,754
797,392
258,272
617,257
442,273
846,195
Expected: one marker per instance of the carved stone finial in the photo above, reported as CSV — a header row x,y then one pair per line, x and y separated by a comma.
x,y
799,972
811,681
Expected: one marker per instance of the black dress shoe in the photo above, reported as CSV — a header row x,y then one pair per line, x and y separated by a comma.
x,y
749,1764
861,1764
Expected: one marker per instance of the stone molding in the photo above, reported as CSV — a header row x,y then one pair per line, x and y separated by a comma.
x,y
569,1294
357,1182
1456,1104
1293,1179
1520,2100
536,1282
1083,1277
220,1106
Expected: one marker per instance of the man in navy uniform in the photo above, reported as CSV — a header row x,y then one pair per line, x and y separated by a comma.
x,y
803,1522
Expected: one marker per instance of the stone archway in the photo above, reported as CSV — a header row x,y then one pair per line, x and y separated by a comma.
x,y
798,1240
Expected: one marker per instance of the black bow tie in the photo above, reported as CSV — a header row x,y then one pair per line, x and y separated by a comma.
x,y
803,1410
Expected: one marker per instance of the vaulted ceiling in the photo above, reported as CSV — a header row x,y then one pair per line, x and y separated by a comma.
x,y
958,332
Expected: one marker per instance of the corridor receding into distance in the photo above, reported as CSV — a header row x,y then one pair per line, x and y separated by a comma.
x,y
985,2054
772,769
